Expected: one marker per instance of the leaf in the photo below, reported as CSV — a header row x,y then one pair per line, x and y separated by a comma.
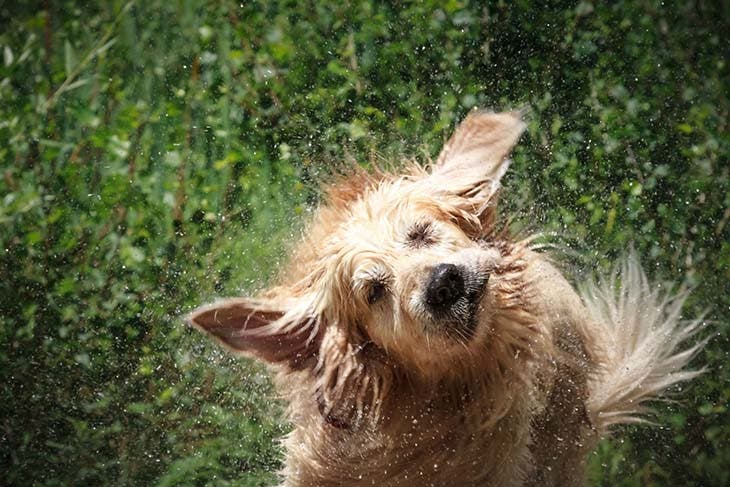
x,y
76,84
685,128
8,55
103,48
69,57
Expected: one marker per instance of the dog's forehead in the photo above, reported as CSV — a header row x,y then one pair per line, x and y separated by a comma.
x,y
383,215
371,229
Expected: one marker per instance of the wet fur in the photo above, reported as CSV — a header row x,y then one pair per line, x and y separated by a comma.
x,y
380,394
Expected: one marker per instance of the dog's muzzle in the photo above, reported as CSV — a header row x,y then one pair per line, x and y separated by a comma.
x,y
445,287
452,296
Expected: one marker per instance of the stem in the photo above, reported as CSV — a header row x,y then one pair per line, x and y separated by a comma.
x,y
89,56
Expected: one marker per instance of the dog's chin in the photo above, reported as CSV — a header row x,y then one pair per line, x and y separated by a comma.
x,y
460,331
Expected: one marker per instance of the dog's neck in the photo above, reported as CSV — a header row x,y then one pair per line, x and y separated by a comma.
x,y
421,426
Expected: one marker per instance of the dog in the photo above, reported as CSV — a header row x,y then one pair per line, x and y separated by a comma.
x,y
418,343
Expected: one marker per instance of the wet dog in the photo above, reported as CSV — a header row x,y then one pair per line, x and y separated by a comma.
x,y
418,343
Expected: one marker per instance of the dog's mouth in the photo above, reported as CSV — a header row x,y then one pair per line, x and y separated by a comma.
x,y
453,297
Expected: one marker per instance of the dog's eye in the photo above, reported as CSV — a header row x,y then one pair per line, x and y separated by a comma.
x,y
376,291
420,235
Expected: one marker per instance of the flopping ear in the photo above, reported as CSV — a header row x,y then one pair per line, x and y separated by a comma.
x,y
351,378
478,151
473,161
276,332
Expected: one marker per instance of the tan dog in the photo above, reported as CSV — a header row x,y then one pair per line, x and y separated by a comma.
x,y
418,344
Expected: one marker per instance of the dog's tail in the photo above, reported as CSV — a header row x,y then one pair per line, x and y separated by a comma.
x,y
644,338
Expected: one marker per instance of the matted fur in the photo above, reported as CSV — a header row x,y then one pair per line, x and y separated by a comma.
x,y
510,383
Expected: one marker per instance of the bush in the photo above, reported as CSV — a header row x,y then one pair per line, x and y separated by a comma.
x,y
157,154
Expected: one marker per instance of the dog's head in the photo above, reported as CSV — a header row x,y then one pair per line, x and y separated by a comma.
x,y
398,274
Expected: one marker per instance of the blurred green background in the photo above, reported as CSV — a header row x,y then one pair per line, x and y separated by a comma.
x,y
155,155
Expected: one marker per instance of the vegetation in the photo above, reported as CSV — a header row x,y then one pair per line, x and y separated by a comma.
x,y
157,154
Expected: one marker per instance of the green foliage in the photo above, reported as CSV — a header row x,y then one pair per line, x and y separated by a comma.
x,y
157,154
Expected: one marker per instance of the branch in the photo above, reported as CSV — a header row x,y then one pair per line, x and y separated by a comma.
x,y
102,45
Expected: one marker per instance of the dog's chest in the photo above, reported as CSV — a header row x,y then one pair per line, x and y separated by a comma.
x,y
418,445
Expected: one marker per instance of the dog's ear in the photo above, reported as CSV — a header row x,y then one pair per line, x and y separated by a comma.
x,y
476,156
470,167
277,332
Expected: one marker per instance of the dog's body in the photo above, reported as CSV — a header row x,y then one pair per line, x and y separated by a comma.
x,y
418,345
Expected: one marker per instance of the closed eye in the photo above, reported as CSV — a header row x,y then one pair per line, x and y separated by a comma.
x,y
420,235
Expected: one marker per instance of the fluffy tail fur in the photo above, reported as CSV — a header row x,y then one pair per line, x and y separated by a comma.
x,y
643,343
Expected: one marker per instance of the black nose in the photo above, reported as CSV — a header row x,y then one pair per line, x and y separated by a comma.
x,y
445,287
